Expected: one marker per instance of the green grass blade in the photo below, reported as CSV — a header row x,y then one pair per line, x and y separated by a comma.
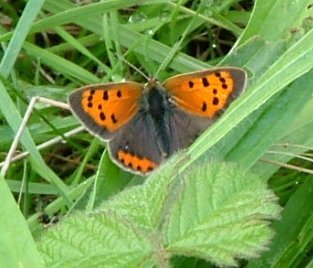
x,y
288,230
60,64
7,106
19,35
276,117
272,19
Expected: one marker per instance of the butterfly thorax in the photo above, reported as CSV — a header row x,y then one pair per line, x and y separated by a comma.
x,y
156,106
155,100
156,103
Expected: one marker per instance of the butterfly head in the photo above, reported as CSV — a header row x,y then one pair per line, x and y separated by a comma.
x,y
152,83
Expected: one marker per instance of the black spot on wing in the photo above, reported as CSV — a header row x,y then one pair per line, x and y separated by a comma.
x,y
205,82
102,116
215,101
113,118
204,106
105,95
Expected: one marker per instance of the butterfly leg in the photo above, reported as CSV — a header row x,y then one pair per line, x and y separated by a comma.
x,y
10,156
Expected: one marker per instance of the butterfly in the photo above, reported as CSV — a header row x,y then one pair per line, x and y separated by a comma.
x,y
145,124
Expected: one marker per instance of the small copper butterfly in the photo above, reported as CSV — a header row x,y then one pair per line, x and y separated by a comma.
x,y
144,124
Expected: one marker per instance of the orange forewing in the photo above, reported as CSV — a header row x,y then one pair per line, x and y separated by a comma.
x,y
206,93
111,105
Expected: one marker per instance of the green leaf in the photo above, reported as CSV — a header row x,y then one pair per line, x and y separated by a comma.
x,y
19,35
216,212
219,214
272,19
109,180
288,246
60,64
18,248
271,123
7,106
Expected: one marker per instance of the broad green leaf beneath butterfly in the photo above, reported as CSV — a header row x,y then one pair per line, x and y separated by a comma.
x,y
217,212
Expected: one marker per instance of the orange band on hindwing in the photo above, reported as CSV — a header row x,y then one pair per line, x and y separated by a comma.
x,y
137,164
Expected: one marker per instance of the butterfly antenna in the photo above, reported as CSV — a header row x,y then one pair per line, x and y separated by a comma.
x,y
134,67
165,63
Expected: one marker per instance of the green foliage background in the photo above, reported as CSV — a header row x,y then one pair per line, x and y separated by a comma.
x,y
44,53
